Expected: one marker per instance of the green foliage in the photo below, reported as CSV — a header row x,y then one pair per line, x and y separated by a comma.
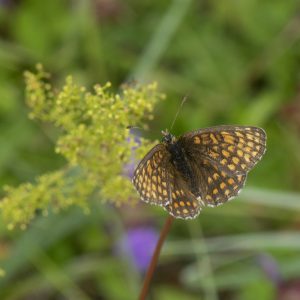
x,y
239,63
95,142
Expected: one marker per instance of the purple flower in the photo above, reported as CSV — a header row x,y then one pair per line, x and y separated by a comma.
x,y
139,244
270,268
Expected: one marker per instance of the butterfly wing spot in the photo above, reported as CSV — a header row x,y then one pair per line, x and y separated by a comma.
x,y
228,139
215,176
149,169
239,134
224,161
158,180
222,185
213,154
159,189
231,167
239,178
231,181
225,153
231,148
213,138
240,153
235,159
181,203
153,187
247,157
249,136
197,140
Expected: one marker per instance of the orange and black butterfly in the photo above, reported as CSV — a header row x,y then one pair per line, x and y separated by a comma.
x,y
201,168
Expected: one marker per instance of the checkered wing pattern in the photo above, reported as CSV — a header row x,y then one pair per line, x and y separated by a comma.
x,y
221,157
202,168
217,186
182,202
231,149
151,178
159,183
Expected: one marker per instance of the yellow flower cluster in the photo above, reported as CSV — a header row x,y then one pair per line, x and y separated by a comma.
x,y
94,140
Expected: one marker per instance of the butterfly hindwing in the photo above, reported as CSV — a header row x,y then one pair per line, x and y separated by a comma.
x,y
219,187
182,203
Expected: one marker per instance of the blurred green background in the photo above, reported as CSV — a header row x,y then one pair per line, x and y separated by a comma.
x,y
238,62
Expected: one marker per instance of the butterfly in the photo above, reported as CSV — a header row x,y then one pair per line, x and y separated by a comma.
x,y
206,167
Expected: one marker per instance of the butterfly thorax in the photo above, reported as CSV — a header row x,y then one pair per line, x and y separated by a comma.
x,y
179,158
168,138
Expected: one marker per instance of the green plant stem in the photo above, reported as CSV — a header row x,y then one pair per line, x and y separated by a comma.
x,y
154,259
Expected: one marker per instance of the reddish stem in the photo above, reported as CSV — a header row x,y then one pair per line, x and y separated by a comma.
x,y
154,259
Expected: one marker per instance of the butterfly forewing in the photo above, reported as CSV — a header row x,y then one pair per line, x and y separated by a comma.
x,y
232,149
151,176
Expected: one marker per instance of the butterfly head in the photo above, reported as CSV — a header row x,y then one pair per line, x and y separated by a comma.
x,y
168,138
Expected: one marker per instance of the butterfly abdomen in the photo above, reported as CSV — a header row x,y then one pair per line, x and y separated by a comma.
x,y
181,163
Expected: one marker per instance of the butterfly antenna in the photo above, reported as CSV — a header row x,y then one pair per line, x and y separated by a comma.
x,y
178,111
